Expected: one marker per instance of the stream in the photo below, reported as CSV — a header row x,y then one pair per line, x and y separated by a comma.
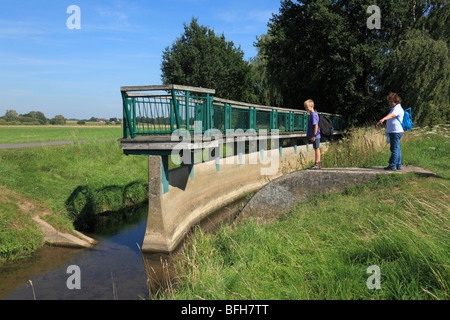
x,y
115,269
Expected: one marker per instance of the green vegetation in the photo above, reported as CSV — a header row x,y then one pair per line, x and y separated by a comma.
x,y
33,118
51,174
10,134
348,68
199,58
322,248
50,177
18,233
319,250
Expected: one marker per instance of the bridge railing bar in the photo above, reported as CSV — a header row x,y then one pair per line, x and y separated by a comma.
x,y
180,107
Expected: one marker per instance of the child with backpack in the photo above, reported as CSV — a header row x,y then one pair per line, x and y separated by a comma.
x,y
313,132
394,124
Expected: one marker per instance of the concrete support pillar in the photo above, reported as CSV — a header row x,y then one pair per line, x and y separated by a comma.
x,y
155,233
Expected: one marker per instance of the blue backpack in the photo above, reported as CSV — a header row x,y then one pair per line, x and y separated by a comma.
x,y
407,123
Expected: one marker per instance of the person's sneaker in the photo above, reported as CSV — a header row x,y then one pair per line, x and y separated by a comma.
x,y
399,169
390,169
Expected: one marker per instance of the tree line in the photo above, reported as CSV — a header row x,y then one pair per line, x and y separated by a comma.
x,y
11,117
30,118
323,50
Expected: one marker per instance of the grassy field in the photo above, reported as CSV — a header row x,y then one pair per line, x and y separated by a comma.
x,y
22,134
49,177
323,248
319,250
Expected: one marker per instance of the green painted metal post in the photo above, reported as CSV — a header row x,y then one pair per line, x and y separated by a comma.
x,y
176,111
252,118
126,116
274,119
133,131
172,116
305,122
227,117
187,110
211,108
292,121
199,110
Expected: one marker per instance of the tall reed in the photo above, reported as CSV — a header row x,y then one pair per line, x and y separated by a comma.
x,y
359,147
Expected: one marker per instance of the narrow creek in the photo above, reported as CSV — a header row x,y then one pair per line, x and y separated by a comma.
x,y
113,269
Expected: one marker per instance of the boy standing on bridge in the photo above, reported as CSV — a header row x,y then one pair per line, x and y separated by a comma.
x,y
313,132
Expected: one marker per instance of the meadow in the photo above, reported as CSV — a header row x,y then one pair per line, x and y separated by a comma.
x,y
324,247
23,134
319,250
58,182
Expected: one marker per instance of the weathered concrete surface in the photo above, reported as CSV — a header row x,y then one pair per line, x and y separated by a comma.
x,y
172,215
283,193
56,238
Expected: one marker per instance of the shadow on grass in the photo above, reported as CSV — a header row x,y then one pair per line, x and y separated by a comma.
x,y
95,207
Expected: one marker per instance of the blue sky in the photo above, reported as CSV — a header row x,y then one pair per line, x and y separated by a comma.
x,y
46,67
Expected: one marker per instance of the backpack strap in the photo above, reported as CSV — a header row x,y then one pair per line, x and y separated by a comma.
x,y
403,117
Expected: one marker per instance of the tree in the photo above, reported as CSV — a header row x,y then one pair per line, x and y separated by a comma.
x,y
268,93
419,71
200,58
37,115
324,50
58,120
10,115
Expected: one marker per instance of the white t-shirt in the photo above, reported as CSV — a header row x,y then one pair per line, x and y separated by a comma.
x,y
393,125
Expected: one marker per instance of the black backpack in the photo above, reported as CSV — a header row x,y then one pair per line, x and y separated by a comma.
x,y
325,126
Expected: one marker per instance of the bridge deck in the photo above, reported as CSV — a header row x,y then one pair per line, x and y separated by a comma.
x,y
162,144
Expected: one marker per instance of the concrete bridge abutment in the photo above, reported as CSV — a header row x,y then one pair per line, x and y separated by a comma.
x,y
196,191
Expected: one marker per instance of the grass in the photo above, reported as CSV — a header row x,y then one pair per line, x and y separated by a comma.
x,y
22,134
48,176
323,247
17,231
51,174
319,250
73,184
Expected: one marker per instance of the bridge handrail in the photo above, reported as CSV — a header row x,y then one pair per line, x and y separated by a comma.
x,y
180,107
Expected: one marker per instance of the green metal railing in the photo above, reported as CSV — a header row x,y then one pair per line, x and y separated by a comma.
x,y
173,107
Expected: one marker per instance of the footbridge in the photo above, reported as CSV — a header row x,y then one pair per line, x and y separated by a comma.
x,y
217,151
